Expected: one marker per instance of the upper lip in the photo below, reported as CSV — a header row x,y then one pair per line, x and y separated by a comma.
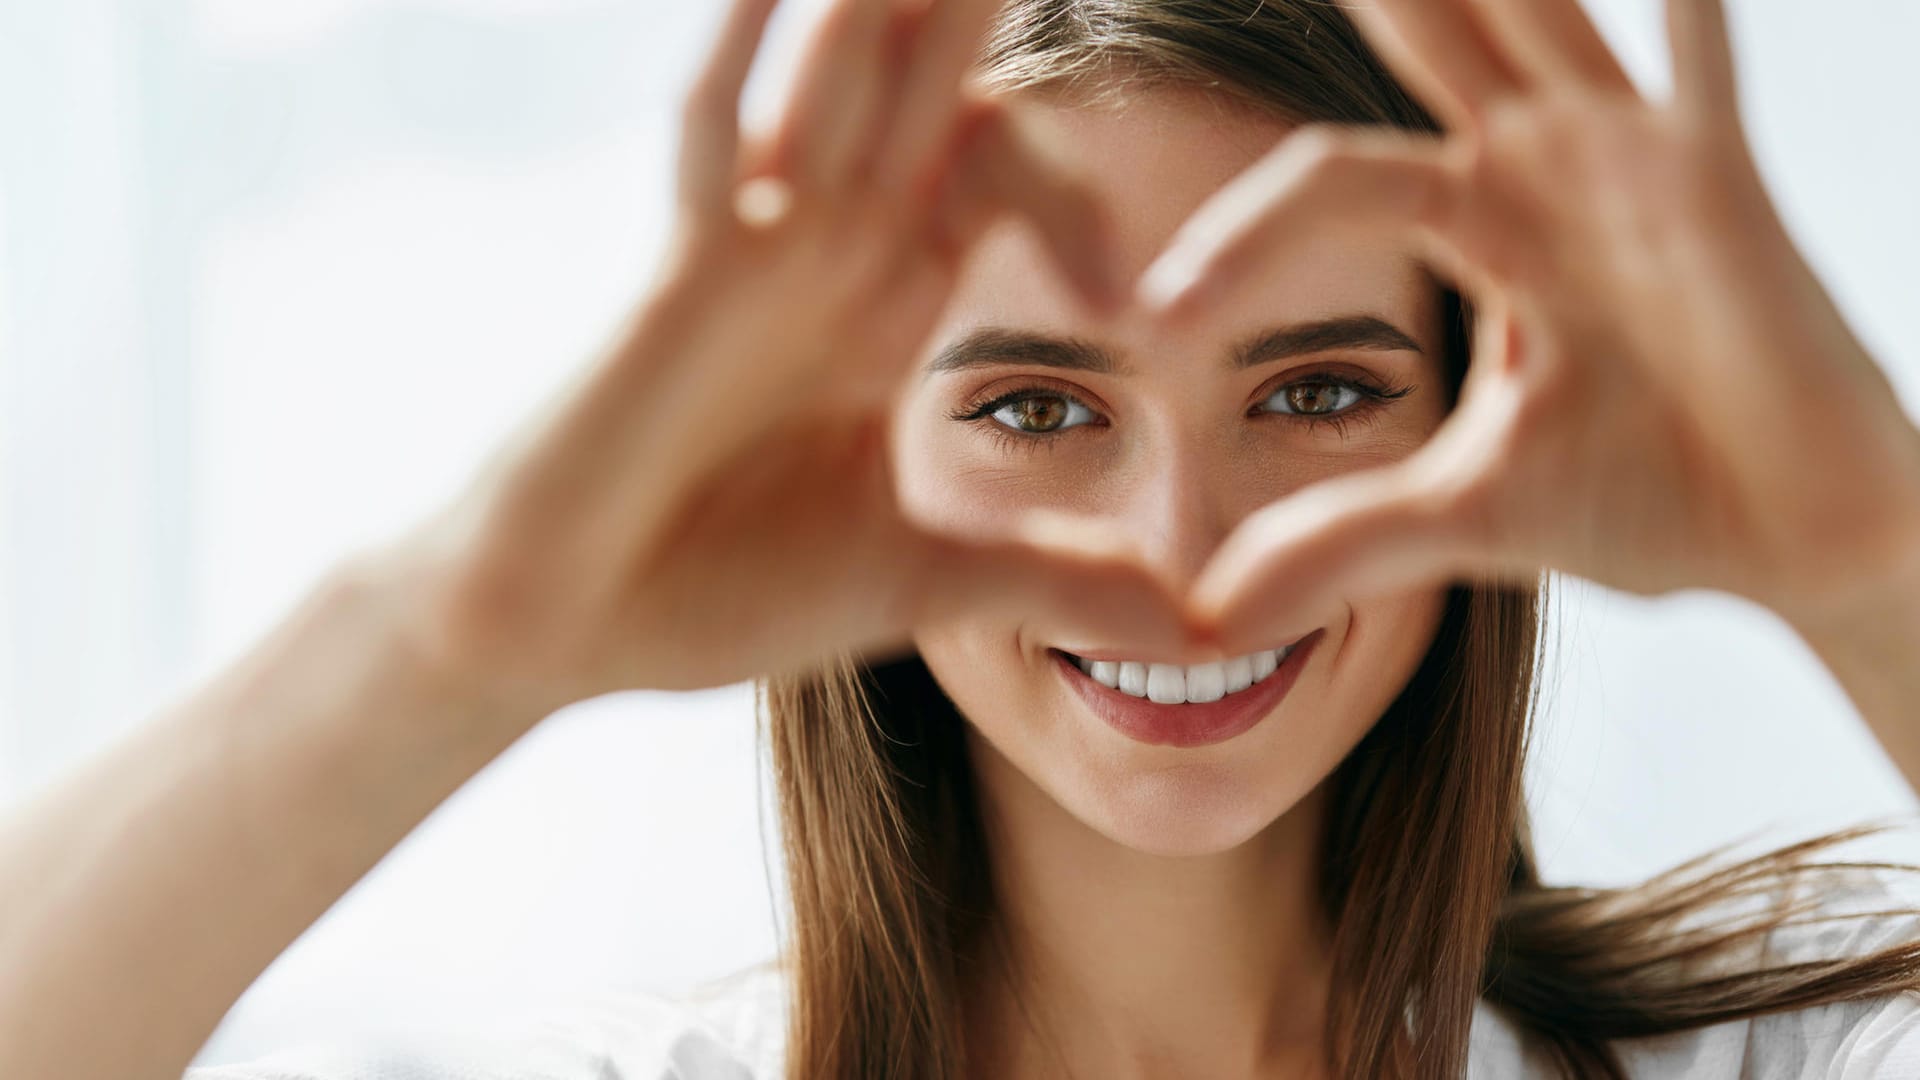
x,y
1114,655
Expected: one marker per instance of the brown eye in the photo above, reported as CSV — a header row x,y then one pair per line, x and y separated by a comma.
x,y
1314,398
1041,414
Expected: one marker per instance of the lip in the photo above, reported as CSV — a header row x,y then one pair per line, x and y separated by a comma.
x,y
1188,725
1111,655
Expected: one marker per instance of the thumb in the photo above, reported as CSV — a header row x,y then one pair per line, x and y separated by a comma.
x,y
1290,564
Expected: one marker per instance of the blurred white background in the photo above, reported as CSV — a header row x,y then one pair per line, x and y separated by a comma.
x,y
274,277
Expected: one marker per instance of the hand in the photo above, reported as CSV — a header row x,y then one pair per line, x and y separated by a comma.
x,y
711,501
1661,394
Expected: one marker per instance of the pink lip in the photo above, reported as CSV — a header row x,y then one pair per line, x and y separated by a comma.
x,y
1114,655
1189,725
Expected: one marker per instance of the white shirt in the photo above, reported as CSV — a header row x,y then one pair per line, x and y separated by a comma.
x,y
733,1029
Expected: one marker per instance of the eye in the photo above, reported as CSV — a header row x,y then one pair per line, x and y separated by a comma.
x,y
1325,397
1032,411
1316,397
1042,413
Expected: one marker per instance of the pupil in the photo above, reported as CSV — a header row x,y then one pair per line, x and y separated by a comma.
x,y
1042,414
1305,394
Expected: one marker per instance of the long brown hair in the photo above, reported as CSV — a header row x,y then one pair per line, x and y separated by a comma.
x,y
1428,872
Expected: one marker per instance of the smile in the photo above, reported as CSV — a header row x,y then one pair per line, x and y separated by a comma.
x,y
1175,684
1185,705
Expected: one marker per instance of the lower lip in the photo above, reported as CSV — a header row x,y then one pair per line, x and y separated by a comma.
x,y
1192,724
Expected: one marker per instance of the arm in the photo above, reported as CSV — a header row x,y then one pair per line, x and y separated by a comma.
x,y
700,508
140,897
1872,646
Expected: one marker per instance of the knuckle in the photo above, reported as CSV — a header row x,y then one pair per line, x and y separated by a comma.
x,y
1461,502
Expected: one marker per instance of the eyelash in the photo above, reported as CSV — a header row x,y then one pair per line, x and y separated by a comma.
x,y
1372,398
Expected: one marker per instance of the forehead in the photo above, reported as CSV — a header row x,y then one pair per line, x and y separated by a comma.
x,y
1152,161
1156,157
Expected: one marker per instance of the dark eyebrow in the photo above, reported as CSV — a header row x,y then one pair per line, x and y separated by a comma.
x,y
991,345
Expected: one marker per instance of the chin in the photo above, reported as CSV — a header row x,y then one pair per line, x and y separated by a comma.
x,y
1150,800
1186,810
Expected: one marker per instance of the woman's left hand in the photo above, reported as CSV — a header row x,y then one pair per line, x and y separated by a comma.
x,y
1661,396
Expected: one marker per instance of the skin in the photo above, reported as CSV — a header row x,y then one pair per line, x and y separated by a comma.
x,y
1663,397
1127,867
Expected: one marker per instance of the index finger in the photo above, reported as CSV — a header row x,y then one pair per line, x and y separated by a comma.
x,y
710,115
944,44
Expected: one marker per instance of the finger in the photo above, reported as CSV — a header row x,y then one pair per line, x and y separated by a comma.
x,y
1703,71
1444,55
1079,577
836,93
1001,168
1363,534
1553,41
922,114
1314,182
710,116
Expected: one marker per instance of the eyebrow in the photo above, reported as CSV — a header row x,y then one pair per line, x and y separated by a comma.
x,y
992,345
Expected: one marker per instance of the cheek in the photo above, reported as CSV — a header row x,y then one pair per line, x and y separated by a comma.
x,y
1386,639
981,666
1000,694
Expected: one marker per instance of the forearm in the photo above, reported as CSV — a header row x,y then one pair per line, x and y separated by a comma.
x,y
1874,652
141,896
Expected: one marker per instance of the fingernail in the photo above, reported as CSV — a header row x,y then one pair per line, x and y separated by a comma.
x,y
762,202
1167,289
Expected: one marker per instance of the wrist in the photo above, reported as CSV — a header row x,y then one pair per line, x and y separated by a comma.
x,y
1876,583
1867,624
1870,643
391,594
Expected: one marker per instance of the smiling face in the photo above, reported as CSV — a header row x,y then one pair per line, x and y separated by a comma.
x,y
1026,403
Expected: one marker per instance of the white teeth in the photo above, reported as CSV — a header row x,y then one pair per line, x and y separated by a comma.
x,y
1239,674
1167,684
1263,664
1206,682
1173,684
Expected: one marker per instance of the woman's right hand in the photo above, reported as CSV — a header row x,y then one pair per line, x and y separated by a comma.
x,y
712,501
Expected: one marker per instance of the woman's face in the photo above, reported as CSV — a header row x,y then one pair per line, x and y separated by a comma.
x,y
1175,439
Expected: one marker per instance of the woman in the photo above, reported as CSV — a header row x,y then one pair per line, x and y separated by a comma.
x,y
1199,615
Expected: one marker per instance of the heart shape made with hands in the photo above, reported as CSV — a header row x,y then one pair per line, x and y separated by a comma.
x,y
1661,396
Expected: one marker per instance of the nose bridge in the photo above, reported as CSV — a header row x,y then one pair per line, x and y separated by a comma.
x,y
1181,501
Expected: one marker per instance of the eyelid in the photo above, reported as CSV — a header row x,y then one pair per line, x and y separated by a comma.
x,y
1375,392
1331,372
991,397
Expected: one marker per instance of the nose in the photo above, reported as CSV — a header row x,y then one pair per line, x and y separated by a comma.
x,y
1183,502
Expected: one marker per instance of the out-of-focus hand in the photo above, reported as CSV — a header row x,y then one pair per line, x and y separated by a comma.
x,y
711,500
1661,396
